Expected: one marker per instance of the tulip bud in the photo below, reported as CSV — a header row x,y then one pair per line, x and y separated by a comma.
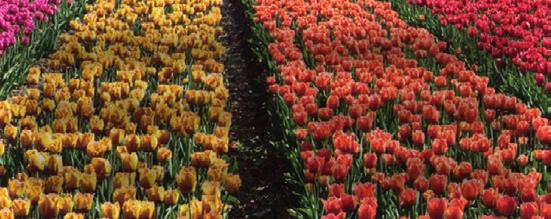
x,y
10,132
436,207
21,208
202,159
147,177
506,205
149,143
171,197
129,161
134,209
88,182
187,179
156,194
48,206
231,183
408,197
133,143
110,210
6,213
121,195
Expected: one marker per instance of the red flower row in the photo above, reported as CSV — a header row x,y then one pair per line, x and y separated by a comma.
x,y
345,75
517,29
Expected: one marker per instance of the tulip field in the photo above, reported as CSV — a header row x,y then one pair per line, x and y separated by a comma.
x,y
126,118
310,109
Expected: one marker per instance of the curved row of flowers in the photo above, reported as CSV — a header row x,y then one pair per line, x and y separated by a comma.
x,y
371,134
126,119
519,30
507,40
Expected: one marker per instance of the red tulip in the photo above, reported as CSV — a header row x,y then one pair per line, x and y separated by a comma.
x,y
454,191
463,170
506,205
543,156
301,134
340,215
336,190
415,168
543,134
522,160
364,190
365,123
404,132
436,207
431,114
438,183
340,172
325,113
489,115
300,118
489,197
545,210
539,122
320,131
418,138
494,165
421,184
408,197
433,130
323,81
454,212
366,211
370,160
471,189
289,99
348,202
439,146
440,81
333,102
332,205
528,210
465,144
378,145
311,109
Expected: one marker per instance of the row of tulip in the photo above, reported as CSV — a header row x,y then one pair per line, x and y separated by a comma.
x,y
28,32
126,119
370,133
519,30
507,40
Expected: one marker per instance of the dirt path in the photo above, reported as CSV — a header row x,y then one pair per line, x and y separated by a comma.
x,y
263,193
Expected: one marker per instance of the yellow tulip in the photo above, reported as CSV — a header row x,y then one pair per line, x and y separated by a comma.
x,y
186,179
48,206
21,208
53,184
88,182
110,210
83,202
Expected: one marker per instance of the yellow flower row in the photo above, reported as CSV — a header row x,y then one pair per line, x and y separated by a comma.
x,y
127,118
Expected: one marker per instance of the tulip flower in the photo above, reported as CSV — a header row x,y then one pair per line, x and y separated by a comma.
x,y
436,207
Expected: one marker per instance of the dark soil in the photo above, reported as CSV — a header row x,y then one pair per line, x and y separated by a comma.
x,y
263,193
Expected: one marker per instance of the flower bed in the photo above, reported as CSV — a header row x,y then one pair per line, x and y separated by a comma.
x,y
519,30
128,119
504,75
370,133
